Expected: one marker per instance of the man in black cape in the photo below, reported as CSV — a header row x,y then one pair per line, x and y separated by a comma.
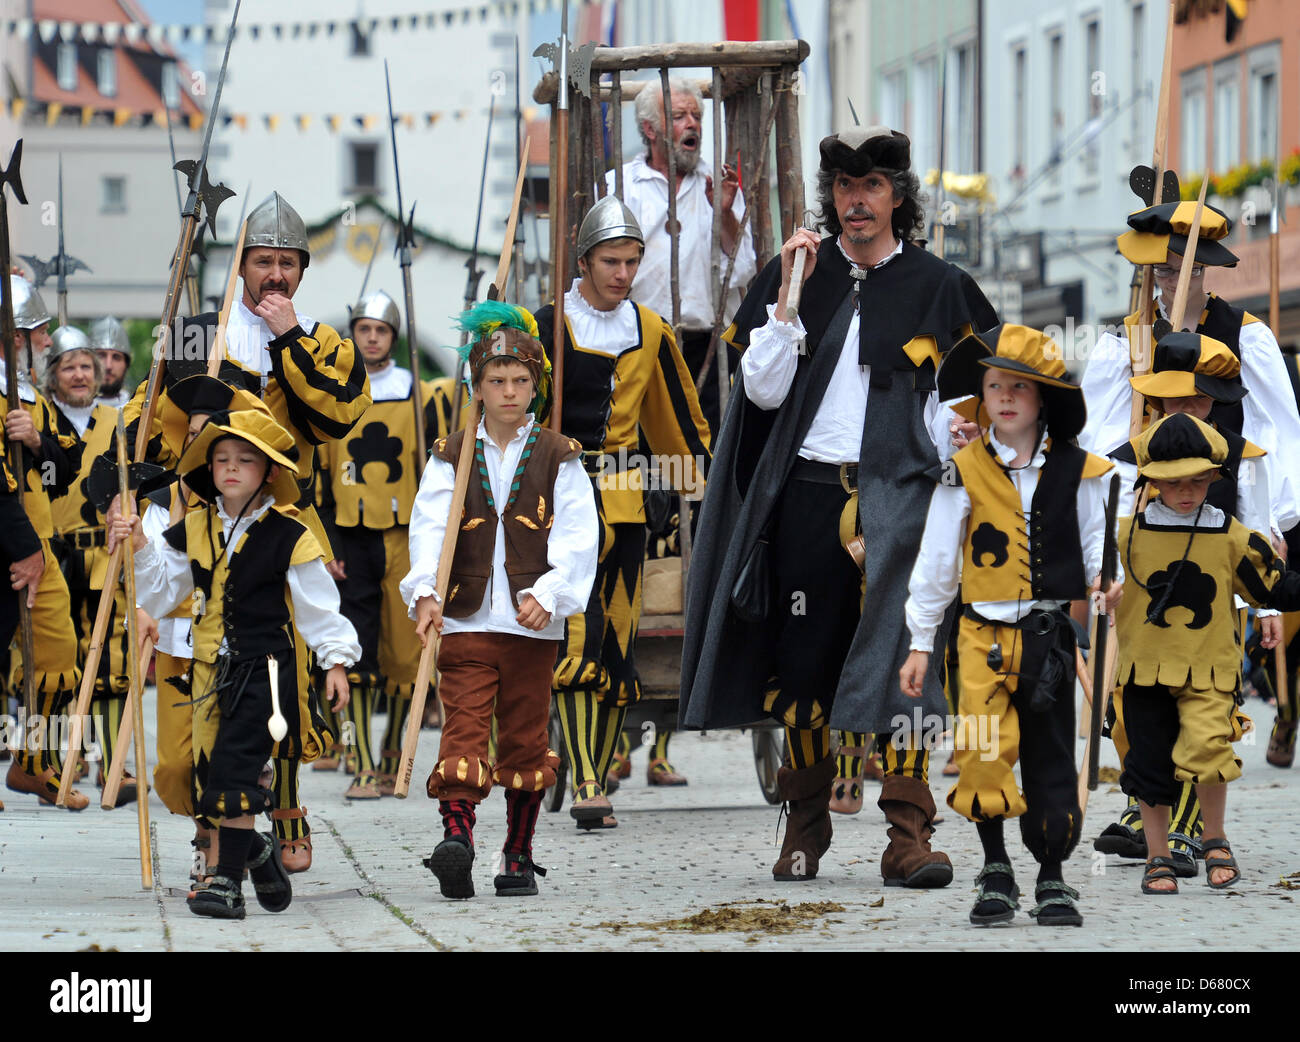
x,y
828,446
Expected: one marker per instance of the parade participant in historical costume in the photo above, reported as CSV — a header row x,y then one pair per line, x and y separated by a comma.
x,y
625,384
1179,653
51,464
314,383
109,340
1267,416
73,375
367,488
645,192
519,569
1018,524
833,431
259,580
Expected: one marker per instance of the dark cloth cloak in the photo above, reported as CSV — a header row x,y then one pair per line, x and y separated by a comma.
x,y
726,662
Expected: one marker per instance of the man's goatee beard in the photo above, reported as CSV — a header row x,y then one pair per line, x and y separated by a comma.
x,y
111,390
686,160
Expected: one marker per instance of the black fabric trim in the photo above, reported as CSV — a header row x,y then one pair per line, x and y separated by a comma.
x,y
681,404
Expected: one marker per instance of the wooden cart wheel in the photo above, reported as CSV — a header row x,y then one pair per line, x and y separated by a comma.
x,y
769,752
553,798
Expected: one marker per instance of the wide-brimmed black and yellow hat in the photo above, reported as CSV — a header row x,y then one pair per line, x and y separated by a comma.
x,y
260,429
860,150
1158,231
1026,352
1178,446
1186,364
204,395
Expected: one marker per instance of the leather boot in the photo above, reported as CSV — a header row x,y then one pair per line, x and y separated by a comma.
x,y
908,860
807,793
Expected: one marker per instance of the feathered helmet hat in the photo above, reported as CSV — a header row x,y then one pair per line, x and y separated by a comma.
x,y
500,330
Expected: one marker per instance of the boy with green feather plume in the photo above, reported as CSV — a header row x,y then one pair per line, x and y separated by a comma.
x,y
525,560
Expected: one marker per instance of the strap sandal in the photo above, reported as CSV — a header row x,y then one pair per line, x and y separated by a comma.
x,y
1159,868
661,772
270,880
329,762
1056,904
516,878
1009,902
294,853
1121,840
621,768
846,796
219,898
589,813
1184,850
1212,863
387,785
44,786
199,864
365,786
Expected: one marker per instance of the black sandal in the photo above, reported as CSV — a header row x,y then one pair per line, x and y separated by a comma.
x,y
516,878
270,880
1054,894
1159,868
220,898
1010,902
1211,863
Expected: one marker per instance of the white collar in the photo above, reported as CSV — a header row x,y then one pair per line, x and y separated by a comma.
x,y
251,515
520,432
1160,513
641,170
852,263
580,304
1006,453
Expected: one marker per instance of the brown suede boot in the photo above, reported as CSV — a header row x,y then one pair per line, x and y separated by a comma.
x,y
808,822
908,860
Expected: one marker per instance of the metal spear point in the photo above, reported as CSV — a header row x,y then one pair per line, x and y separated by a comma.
x,y
60,265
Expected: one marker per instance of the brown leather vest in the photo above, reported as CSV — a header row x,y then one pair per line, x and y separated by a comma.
x,y
527,516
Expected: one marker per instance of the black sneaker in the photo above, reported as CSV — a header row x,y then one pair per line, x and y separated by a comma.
x,y
270,880
451,862
516,879
220,898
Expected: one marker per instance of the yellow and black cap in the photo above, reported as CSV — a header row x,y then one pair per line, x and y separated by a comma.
x,y
1160,230
1178,446
1026,352
199,395
260,429
1186,364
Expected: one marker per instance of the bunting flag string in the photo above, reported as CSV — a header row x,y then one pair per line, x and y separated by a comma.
x,y
52,112
137,33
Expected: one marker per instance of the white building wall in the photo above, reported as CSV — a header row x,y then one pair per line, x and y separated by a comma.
x,y
1080,210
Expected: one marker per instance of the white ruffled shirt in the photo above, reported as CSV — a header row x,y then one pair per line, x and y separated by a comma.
x,y
247,336
570,548
392,383
163,579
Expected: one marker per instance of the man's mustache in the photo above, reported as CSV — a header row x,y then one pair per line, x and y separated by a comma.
x,y
860,211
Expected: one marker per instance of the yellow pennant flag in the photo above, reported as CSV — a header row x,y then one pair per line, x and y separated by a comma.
x,y
304,121
87,114
272,122
408,120
241,120
120,116
52,113
432,117
333,122
368,121
19,105
196,121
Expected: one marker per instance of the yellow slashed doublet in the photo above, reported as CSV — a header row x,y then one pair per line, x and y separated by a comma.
x,y
1180,657
242,613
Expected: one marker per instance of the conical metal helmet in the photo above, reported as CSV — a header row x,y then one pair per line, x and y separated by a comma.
x,y
63,340
30,311
608,219
378,305
108,334
276,224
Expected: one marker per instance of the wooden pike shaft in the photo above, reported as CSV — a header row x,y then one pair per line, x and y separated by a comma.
x,y
1177,315
507,248
114,772
796,286
411,740
218,353
133,665
561,239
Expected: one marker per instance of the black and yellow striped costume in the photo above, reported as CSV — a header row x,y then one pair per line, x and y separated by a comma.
x,y
48,474
366,491
79,528
613,404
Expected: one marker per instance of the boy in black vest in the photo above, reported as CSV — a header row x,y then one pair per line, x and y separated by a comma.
x,y
1019,521
525,560
261,592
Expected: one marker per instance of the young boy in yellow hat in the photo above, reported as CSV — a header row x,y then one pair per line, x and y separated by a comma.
x,y
1180,661
525,559
259,584
1018,521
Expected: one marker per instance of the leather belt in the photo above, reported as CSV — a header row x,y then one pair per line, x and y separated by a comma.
x,y
87,539
1038,622
843,474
